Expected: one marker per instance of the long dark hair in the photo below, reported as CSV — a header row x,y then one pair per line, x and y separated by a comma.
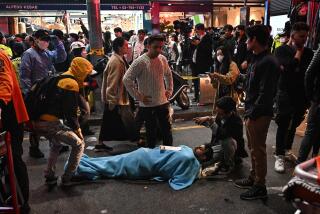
x,y
223,67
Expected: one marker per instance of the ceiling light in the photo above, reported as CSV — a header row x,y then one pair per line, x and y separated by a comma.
x,y
201,4
169,4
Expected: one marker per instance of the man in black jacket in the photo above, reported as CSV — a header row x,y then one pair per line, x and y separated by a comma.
x,y
312,87
227,134
202,57
291,100
260,90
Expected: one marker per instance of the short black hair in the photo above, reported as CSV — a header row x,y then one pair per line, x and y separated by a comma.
x,y
199,26
141,31
228,28
208,152
117,29
117,44
227,104
241,27
260,32
58,33
74,35
155,38
300,26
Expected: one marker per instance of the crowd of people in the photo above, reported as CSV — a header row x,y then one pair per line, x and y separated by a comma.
x,y
244,64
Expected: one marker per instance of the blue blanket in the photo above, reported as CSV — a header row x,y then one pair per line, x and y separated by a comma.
x,y
179,168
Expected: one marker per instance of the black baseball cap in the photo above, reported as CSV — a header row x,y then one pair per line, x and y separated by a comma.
x,y
42,35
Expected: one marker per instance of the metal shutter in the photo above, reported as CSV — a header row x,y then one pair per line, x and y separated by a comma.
x,y
279,7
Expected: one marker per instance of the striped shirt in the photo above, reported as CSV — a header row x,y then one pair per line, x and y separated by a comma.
x,y
153,78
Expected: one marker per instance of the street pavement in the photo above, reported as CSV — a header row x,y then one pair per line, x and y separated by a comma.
x,y
215,195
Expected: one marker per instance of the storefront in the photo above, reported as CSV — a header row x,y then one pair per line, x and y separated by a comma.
x,y
22,17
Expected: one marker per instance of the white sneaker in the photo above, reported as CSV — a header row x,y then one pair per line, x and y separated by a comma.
x,y
290,156
279,164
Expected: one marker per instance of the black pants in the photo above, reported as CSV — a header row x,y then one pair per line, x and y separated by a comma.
x,y
287,125
312,134
16,130
154,117
85,113
196,82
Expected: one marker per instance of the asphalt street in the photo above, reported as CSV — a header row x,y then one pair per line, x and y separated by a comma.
x,y
215,195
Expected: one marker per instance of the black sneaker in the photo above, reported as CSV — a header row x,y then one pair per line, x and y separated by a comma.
x,y
246,183
102,148
51,180
35,152
65,181
255,192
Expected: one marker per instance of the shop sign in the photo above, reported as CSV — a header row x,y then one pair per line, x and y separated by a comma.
x,y
72,7
19,6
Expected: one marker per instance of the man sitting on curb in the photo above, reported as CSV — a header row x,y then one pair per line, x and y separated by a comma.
x,y
227,135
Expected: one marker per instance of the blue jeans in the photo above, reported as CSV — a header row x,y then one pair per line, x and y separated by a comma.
x,y
312,134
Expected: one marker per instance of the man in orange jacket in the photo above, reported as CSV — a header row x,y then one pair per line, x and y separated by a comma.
x,y
13,115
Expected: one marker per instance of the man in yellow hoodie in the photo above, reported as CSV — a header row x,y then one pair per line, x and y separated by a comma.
x,y
65,107
3,47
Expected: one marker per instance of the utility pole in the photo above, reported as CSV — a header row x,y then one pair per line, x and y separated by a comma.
x,y
96,45
95,33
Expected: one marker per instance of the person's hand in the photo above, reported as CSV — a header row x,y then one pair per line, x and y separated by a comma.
x,y
79,133
168,94
244,65
201,120
213,75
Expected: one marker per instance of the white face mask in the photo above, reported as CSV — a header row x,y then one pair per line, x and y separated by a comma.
x,y
220,58
283,39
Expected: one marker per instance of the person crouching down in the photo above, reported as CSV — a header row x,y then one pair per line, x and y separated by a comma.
x,y
65,108
227,136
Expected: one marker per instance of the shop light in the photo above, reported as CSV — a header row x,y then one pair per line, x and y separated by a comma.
x,y
201,4
169,4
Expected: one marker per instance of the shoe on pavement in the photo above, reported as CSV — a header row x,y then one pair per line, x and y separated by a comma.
x,y
279,164
289,156
255,192
65,181
35,152
51,180
246,183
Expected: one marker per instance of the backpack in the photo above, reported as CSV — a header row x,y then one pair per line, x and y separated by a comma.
x,y
43,93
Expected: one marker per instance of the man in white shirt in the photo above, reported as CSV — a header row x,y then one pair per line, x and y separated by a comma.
x,y
154,87
138,46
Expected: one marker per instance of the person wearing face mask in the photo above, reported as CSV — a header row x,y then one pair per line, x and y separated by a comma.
x,y
225,75
36,63
227,135
291,100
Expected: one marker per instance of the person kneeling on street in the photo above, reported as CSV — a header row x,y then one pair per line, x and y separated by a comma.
x,y
65,108
227,137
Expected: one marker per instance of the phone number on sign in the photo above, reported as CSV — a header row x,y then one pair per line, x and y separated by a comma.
x,y
127,7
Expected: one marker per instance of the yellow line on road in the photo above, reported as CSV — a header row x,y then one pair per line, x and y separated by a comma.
x,y
187,127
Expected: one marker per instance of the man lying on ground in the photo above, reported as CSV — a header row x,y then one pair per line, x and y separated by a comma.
x,y
180,166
